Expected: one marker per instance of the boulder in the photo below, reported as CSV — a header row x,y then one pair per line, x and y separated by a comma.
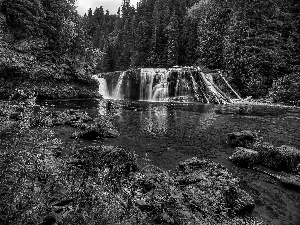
x,y
109,161
210,183
101,128
239,200
243,138
283,158
245,157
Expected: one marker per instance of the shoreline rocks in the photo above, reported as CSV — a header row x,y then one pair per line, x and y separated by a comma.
x,y
243,138
200,191
251,151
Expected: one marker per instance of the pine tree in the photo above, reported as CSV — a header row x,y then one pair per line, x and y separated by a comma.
x,y
172,32
23,16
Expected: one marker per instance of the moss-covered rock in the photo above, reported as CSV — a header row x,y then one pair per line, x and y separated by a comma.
x,y
100,128
243,138
245,157
200,192
113,163
283,158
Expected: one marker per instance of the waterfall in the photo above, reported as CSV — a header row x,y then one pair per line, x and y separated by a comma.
x,y
149,85
160,84
147,76
161,90
117,91
195,88
103,89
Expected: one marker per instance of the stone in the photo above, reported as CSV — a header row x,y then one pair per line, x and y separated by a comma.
x,y
283,158
239,200
143,205
245,157
243,138
208,182
96,130
112,162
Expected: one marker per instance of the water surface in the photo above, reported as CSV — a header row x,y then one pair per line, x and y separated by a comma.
x,y
164,133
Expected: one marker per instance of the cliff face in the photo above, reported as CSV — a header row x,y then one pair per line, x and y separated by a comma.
x,y
30,65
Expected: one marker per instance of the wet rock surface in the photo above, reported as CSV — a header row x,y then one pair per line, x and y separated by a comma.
x,y
245,157
283,158
243,138
200,191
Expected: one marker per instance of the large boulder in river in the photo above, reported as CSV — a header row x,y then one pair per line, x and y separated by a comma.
x,y
243,138
283,158
245,157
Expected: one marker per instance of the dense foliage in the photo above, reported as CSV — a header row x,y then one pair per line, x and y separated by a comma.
x,y
44,48
256,42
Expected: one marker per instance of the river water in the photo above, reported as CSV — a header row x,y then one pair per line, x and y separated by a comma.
x,y
164,133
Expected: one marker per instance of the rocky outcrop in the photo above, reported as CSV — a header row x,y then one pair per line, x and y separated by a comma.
x,y
112,162
245,157
243,138
283,158
200,191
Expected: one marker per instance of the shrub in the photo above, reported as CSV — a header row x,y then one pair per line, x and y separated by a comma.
x,y
286,89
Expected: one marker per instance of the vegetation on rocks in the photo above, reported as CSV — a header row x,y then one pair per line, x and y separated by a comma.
x,y
104,184
283,159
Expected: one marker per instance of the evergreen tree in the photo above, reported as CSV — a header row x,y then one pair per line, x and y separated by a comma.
x,y
172,32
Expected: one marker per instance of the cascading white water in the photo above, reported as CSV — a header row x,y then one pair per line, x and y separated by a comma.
x,y
117,91
103,89
161,90
159,84
147,76
195,87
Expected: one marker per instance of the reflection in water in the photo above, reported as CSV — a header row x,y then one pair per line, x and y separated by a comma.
x,y
155,120
167,133
163,120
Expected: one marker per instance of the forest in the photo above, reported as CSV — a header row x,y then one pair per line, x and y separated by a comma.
x,y
256,43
